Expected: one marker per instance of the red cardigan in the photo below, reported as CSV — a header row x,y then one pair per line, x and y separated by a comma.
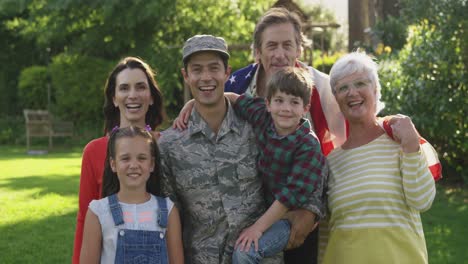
x,y
92,169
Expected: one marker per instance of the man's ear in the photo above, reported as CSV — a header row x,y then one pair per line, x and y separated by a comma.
x,y
267,102
184,74
299,51
228,73
112,164
306,108
257,55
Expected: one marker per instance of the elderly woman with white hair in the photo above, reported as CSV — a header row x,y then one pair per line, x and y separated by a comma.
x,y
377,185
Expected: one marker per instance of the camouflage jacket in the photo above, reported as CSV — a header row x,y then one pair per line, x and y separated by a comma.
x,y
212,178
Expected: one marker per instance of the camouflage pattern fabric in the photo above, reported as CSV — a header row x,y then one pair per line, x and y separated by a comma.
x,y
213,180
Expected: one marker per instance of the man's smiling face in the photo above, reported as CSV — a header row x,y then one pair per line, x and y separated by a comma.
x,y
206,75
279,48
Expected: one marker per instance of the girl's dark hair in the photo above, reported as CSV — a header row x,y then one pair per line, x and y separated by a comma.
x,y
110,181
154,116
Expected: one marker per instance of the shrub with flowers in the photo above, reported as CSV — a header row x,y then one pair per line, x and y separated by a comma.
x,y
428,78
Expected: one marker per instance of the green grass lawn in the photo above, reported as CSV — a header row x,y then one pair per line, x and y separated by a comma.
x,y
38,203
446,226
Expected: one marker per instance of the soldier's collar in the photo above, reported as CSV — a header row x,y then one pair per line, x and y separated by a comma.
x,y
195,123
231,122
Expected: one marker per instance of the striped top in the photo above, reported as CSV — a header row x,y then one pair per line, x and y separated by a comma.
x,y
376,193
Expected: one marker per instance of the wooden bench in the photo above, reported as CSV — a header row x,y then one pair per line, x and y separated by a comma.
x,y
40,123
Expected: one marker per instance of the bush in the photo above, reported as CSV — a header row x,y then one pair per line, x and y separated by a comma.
x,y
78,87
32,87
77,94
12,130
392,31
428,81
325,62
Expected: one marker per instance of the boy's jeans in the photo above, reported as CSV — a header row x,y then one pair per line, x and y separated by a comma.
x,y
272,242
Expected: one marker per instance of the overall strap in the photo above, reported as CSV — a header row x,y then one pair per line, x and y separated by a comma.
x,y
116,210
162,216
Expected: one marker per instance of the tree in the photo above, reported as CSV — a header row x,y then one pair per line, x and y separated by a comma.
x,y
16,54
358,16
110,30
428,80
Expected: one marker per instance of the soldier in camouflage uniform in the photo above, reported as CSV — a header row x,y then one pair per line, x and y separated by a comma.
x,y
209,168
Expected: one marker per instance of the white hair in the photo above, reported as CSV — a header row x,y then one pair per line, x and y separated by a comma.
x,y
355,63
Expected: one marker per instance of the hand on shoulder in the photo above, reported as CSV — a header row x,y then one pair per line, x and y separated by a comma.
x,y
405,133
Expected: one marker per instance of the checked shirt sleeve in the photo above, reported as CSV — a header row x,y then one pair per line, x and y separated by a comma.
x,y
306,180
252,110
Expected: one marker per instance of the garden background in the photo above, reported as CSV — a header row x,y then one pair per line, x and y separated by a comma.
x,y
56,55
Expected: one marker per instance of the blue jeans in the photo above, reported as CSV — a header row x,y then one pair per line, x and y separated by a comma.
x,y
272,242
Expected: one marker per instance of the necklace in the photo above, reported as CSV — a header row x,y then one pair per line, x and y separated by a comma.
x,y
147,127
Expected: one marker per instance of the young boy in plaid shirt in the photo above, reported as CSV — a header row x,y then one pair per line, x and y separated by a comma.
x,y
290,163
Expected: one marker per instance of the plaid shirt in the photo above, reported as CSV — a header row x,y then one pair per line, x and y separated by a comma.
x,y
292,167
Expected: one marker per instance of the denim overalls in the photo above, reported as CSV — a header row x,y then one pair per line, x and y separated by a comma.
x,y
140,246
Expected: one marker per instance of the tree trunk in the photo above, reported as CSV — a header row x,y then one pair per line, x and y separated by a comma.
x,y
390,8
358,16
363,15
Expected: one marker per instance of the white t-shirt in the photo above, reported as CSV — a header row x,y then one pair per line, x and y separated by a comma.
x,y
136,217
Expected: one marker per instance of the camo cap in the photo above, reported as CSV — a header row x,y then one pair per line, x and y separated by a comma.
x,y
199,43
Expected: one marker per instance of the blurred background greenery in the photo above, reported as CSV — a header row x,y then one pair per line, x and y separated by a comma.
x,y
57,54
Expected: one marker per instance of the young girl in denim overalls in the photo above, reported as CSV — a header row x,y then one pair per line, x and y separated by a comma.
x,y
131,224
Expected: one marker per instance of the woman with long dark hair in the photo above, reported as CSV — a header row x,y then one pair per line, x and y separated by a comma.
x,y
132,98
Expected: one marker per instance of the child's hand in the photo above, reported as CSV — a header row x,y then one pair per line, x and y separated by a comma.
x,y
181,121
247,236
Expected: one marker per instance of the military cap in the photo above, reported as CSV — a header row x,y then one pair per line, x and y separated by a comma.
x,y
199,43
